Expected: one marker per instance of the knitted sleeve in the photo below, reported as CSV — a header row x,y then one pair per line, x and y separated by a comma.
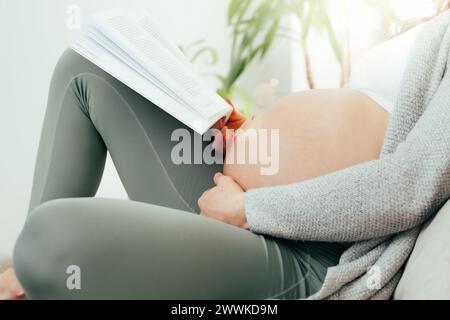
x,y
370,200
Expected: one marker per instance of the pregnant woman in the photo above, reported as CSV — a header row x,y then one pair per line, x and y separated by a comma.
x,y
188,231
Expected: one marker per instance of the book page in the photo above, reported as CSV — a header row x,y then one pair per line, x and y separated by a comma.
x,y
107,61
158,60
144,20
122,55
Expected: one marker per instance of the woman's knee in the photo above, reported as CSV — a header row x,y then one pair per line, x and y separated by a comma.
x,y
69,65
44,248
69,84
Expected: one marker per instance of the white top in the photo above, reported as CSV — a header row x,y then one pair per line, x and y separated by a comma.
x,y
380,72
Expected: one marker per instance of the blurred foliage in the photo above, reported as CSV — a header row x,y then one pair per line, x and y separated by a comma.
x,y
315,15
255,24
198,49
253,32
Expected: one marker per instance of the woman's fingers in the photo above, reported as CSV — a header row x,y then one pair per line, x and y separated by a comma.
x,y
226,129
10,288
217,177
236,119
233,117
219,143
16,288
224,181
219,124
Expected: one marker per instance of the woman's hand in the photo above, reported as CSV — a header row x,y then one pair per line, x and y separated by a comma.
x,y
10,288
235,121
225,202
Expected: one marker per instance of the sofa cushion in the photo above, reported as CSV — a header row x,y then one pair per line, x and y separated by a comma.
x,y
427,273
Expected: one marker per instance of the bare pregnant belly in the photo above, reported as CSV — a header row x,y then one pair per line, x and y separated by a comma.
x,y
319,132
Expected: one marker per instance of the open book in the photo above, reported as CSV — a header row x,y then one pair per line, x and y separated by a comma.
x,y
128,46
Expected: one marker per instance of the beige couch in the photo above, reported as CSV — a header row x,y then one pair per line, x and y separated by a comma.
x,y
427,273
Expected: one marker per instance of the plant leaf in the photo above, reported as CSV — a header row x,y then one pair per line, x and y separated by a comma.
x,y
270,36
213,53
235,73
233,9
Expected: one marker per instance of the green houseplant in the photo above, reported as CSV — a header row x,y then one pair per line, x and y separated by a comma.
x,y
254,27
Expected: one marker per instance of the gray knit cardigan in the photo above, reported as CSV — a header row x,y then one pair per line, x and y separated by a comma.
x,y
379,205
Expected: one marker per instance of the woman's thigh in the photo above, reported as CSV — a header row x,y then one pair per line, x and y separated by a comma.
x,y
90,112
159,160
131,250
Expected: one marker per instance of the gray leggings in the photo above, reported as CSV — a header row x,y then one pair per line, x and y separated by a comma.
x,y
153,246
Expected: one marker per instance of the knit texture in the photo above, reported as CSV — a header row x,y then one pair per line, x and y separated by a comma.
x,y
379,205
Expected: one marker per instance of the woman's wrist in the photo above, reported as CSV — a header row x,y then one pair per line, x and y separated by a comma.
x,y
241,219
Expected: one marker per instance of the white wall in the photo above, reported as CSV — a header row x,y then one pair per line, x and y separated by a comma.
x,y
32,36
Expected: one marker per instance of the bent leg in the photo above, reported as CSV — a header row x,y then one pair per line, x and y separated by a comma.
x,y
89,113
135,250
130,250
